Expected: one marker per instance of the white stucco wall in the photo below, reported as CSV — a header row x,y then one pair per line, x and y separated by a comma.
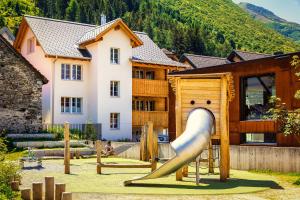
x,y
44,65
107,72
71,88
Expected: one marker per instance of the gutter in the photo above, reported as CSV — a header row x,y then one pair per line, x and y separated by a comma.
x,y
52,89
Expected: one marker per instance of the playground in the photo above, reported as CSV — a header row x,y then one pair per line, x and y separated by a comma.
x,y
83,182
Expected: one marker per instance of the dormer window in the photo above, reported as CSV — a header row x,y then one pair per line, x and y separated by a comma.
x,y
30,45
114,56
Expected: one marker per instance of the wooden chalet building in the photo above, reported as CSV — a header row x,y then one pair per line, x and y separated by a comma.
x,y
257,77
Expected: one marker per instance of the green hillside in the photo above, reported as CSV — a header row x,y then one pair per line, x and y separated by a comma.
x,y
286,28
212,27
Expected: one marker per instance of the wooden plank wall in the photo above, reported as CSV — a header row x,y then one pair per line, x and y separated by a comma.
x,y
286,86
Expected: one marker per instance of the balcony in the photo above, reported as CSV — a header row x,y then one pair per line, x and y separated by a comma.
x,y
159,118
150,88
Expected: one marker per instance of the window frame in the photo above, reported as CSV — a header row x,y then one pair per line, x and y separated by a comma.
x,y
30,45
243,138
112,123
243,79
70,102
112,91
63,73
113,54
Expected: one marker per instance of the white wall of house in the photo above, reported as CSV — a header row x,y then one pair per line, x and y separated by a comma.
x,y
44,65
71,88
107,72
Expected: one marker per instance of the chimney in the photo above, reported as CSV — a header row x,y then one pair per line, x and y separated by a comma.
x,y
103,19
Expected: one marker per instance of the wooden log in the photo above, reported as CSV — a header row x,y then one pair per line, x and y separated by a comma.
x,y
98,149
59,189
66,196
185,171
197,170
15,185
26,194
149,140
143,144
37,191
67,147
125,165
178,119
224,127
49,188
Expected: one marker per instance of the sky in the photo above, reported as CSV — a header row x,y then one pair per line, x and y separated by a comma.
x,y
286,9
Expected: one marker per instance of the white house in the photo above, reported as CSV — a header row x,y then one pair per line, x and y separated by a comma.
x,y
89,69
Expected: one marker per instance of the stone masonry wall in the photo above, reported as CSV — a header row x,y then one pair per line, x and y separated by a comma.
x,y
20,93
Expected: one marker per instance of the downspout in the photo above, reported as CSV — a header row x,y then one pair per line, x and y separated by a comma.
x,y
52,88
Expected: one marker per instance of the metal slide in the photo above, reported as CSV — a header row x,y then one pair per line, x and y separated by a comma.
x,y
199,128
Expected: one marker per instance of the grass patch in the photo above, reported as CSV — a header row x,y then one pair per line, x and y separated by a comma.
x,y
293,178
83,178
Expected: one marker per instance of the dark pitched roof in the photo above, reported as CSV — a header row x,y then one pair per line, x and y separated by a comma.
x,y
8,32
41,76
200,61
244,55
224,67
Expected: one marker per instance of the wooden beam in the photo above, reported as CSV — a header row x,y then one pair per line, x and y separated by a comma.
x,y
224,129
106,165
178,120
67,147
98,149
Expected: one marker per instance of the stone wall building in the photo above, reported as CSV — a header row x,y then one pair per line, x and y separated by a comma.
x,y
20,92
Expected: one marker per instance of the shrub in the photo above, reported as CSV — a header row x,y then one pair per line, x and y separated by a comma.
x,y
90,132
57,131
76,134
297,182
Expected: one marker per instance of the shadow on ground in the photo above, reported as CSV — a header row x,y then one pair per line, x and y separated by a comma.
x,y
214,184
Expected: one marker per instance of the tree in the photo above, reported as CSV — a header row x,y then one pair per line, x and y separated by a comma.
x,y
72,12
288,120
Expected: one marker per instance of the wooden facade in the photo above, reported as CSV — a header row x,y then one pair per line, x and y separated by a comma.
x,y
286,84
150,85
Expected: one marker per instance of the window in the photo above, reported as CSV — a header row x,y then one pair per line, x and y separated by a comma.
x,y
68,74
149,105
115,120
257,138
255,94
139,105
115,56
139,74
71,105
65,72
150,75
114,88
30,45
76,72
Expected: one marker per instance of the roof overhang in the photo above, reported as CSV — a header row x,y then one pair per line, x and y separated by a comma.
x,y
118,24
141,63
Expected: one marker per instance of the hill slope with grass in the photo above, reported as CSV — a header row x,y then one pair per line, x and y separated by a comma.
x,y
212,27
284,27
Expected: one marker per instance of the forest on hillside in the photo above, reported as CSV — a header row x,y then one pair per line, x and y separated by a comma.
x,y
212,27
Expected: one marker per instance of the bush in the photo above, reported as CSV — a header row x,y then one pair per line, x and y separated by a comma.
x,y
297,182
57,131
9,171
90,132
76,134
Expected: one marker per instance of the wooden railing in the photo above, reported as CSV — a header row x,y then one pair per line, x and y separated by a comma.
x,y
159,118
150,88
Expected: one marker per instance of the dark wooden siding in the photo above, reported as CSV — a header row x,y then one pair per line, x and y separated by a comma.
x,y
286,86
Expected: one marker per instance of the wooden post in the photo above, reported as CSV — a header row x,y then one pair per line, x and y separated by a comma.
x,y
15,185
67,147
178,120
26,194
197,170
185,171
66,196
49,188
149,140
143,144
154,153
59,189
210,158
37,191
224,137
77,154
98,149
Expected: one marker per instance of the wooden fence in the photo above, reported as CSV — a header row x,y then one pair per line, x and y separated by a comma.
x,y
278,159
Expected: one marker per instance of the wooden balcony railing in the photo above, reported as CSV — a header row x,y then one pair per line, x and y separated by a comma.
x,y
159,118
150,88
